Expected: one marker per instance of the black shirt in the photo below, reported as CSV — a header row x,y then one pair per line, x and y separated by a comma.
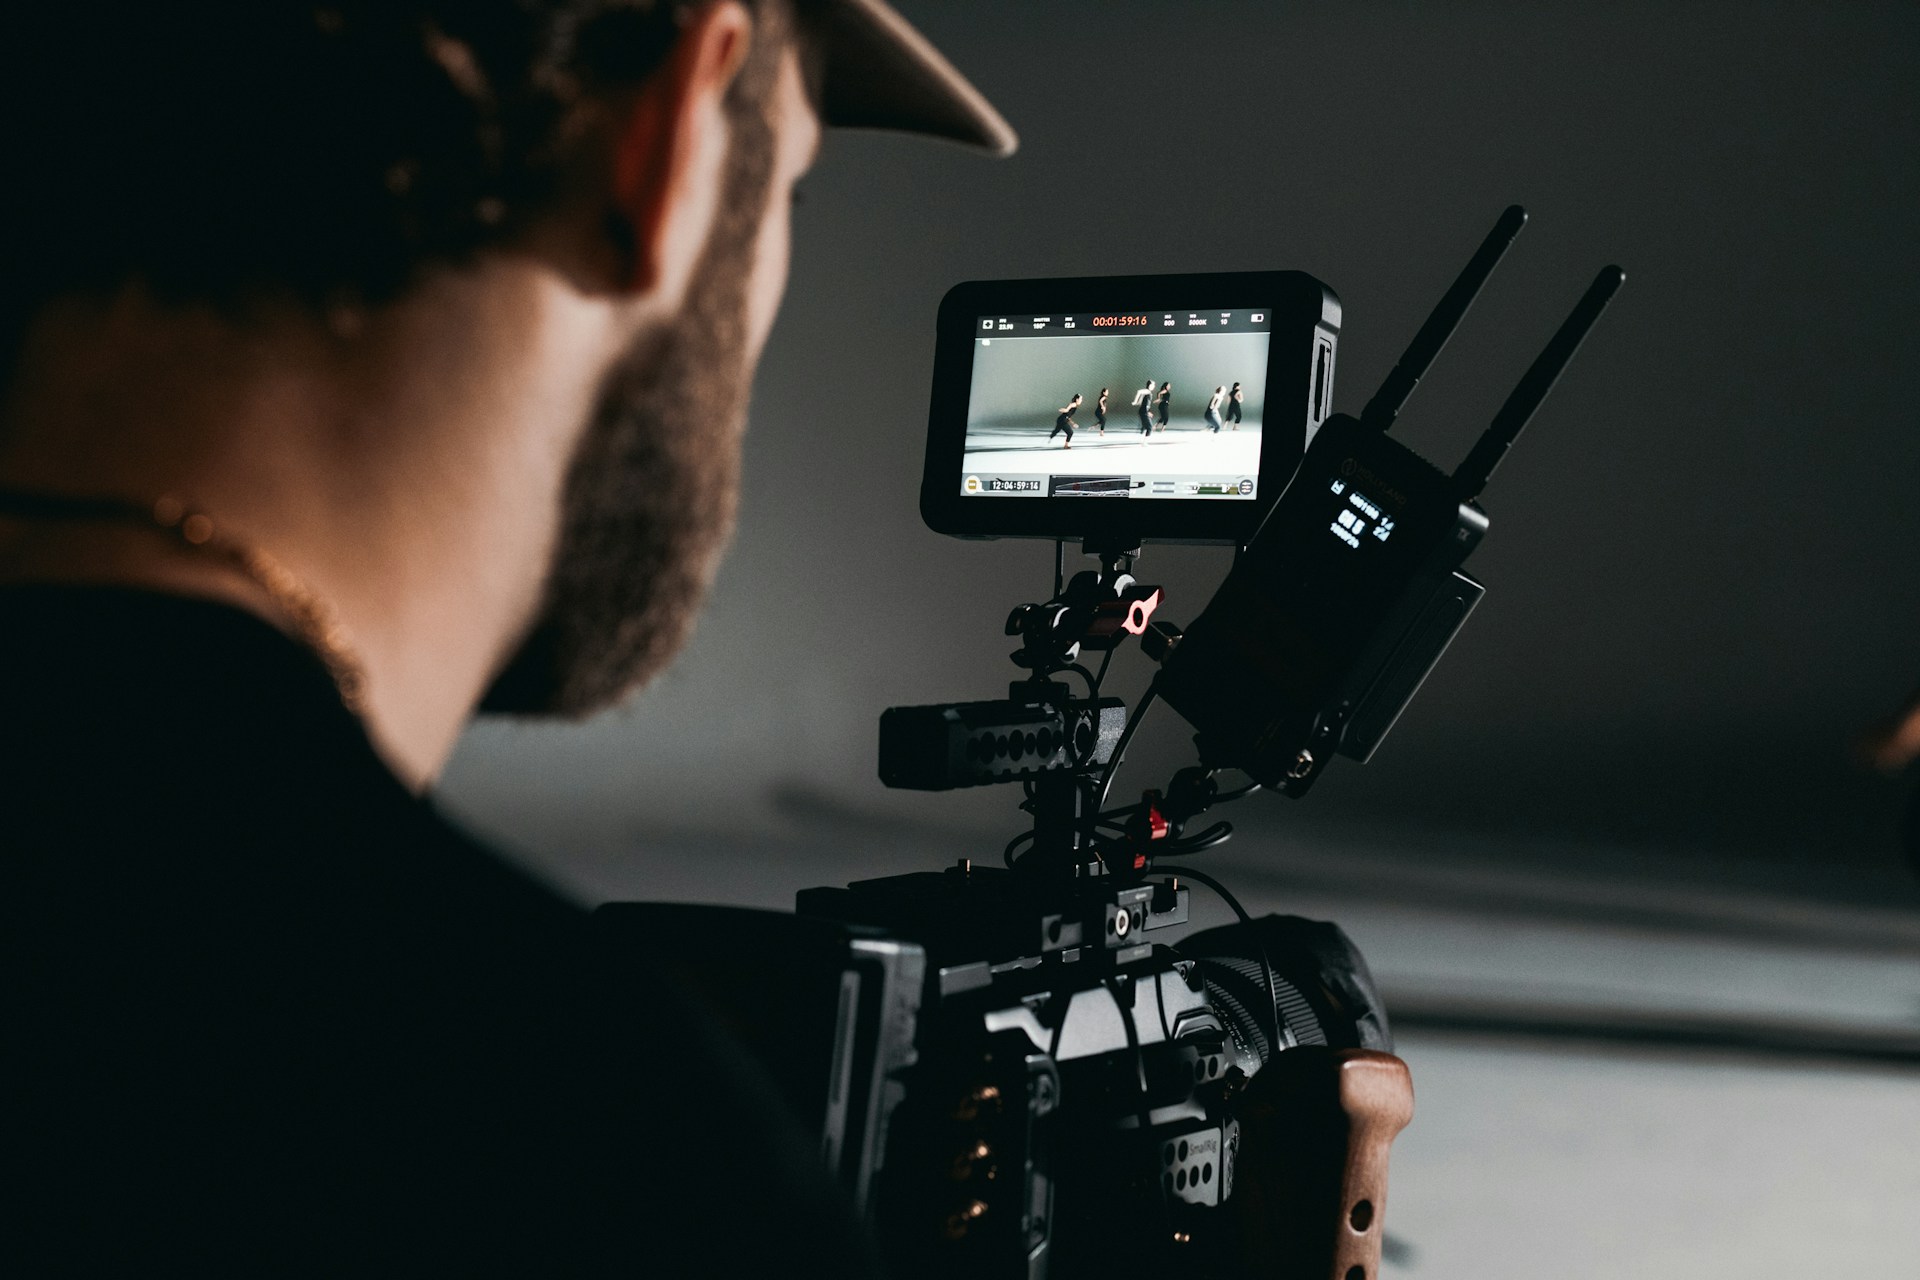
x,y
267,1012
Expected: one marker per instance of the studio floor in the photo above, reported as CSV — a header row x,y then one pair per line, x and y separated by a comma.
x,y
1181,449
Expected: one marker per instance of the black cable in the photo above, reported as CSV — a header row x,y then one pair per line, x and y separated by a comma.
x,y
1246,921
1217,834
1093,681
1139,1056
1145,1112
1059,567
1238,793
1133,1045
1013,844
1105,662
1120,747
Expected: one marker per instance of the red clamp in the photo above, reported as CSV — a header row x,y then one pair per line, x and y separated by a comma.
x,y
1148,824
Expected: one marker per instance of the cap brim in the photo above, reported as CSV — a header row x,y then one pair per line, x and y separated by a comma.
x,y
883,74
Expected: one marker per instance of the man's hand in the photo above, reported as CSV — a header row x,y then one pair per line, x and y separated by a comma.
x,y
1893,743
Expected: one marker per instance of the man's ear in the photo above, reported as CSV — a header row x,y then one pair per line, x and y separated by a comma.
x,y
670,151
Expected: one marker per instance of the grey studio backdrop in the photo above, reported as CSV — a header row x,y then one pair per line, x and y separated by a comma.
x,y
1026,381
1701,564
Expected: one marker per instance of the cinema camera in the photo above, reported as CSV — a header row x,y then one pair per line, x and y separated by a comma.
x,y
1008,1076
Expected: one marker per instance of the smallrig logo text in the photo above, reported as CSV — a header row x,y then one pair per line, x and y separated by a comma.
x,y
1377,489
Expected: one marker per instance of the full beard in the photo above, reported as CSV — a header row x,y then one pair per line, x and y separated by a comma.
x,y
651,494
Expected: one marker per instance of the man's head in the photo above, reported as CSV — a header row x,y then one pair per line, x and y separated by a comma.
x,y
653,487
334,151
259,157
240,162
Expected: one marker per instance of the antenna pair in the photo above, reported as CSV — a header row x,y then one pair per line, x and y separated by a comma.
x,y
1472,475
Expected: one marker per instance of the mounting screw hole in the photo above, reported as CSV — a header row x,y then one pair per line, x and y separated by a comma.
x,y
1356,1273
1362,1216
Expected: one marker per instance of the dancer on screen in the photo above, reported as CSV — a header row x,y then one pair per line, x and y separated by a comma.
x,y
1234,397
1143,401
1213,409
1064,422
1100,411
1163,407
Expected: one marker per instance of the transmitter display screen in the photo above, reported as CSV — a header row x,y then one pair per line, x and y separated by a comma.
x,y
1127,404
1357,517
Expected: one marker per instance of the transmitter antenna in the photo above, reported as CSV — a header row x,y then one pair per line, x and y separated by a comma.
x,y
1419,356
1507,424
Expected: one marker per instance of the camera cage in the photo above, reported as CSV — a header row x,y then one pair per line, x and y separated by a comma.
x,y
995,996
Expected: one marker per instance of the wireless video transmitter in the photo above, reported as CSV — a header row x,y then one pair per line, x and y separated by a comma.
x,y
1351,589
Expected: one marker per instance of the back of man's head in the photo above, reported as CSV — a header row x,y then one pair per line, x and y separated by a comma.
x,y
229,147
447,309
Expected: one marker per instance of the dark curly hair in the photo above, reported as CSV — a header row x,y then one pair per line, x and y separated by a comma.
x,y
222,148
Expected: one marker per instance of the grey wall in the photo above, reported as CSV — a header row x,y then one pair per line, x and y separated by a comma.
x,y
1027,379
1701,562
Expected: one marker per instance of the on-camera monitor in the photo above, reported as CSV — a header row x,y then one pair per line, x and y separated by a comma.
x,y
1169,407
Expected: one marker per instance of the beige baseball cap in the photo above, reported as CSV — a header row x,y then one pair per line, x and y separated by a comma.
x,y
883,74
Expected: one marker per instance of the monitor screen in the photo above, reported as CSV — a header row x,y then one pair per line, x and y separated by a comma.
x,y
1138,404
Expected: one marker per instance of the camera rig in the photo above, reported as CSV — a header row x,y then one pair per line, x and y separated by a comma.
x,y
1009,1075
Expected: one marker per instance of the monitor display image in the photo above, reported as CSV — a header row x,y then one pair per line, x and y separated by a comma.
x,y
1141,404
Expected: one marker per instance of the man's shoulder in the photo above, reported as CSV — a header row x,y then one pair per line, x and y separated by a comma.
x,y
194,742
238,953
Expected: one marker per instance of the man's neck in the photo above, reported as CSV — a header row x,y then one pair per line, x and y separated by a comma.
x,y
404,464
